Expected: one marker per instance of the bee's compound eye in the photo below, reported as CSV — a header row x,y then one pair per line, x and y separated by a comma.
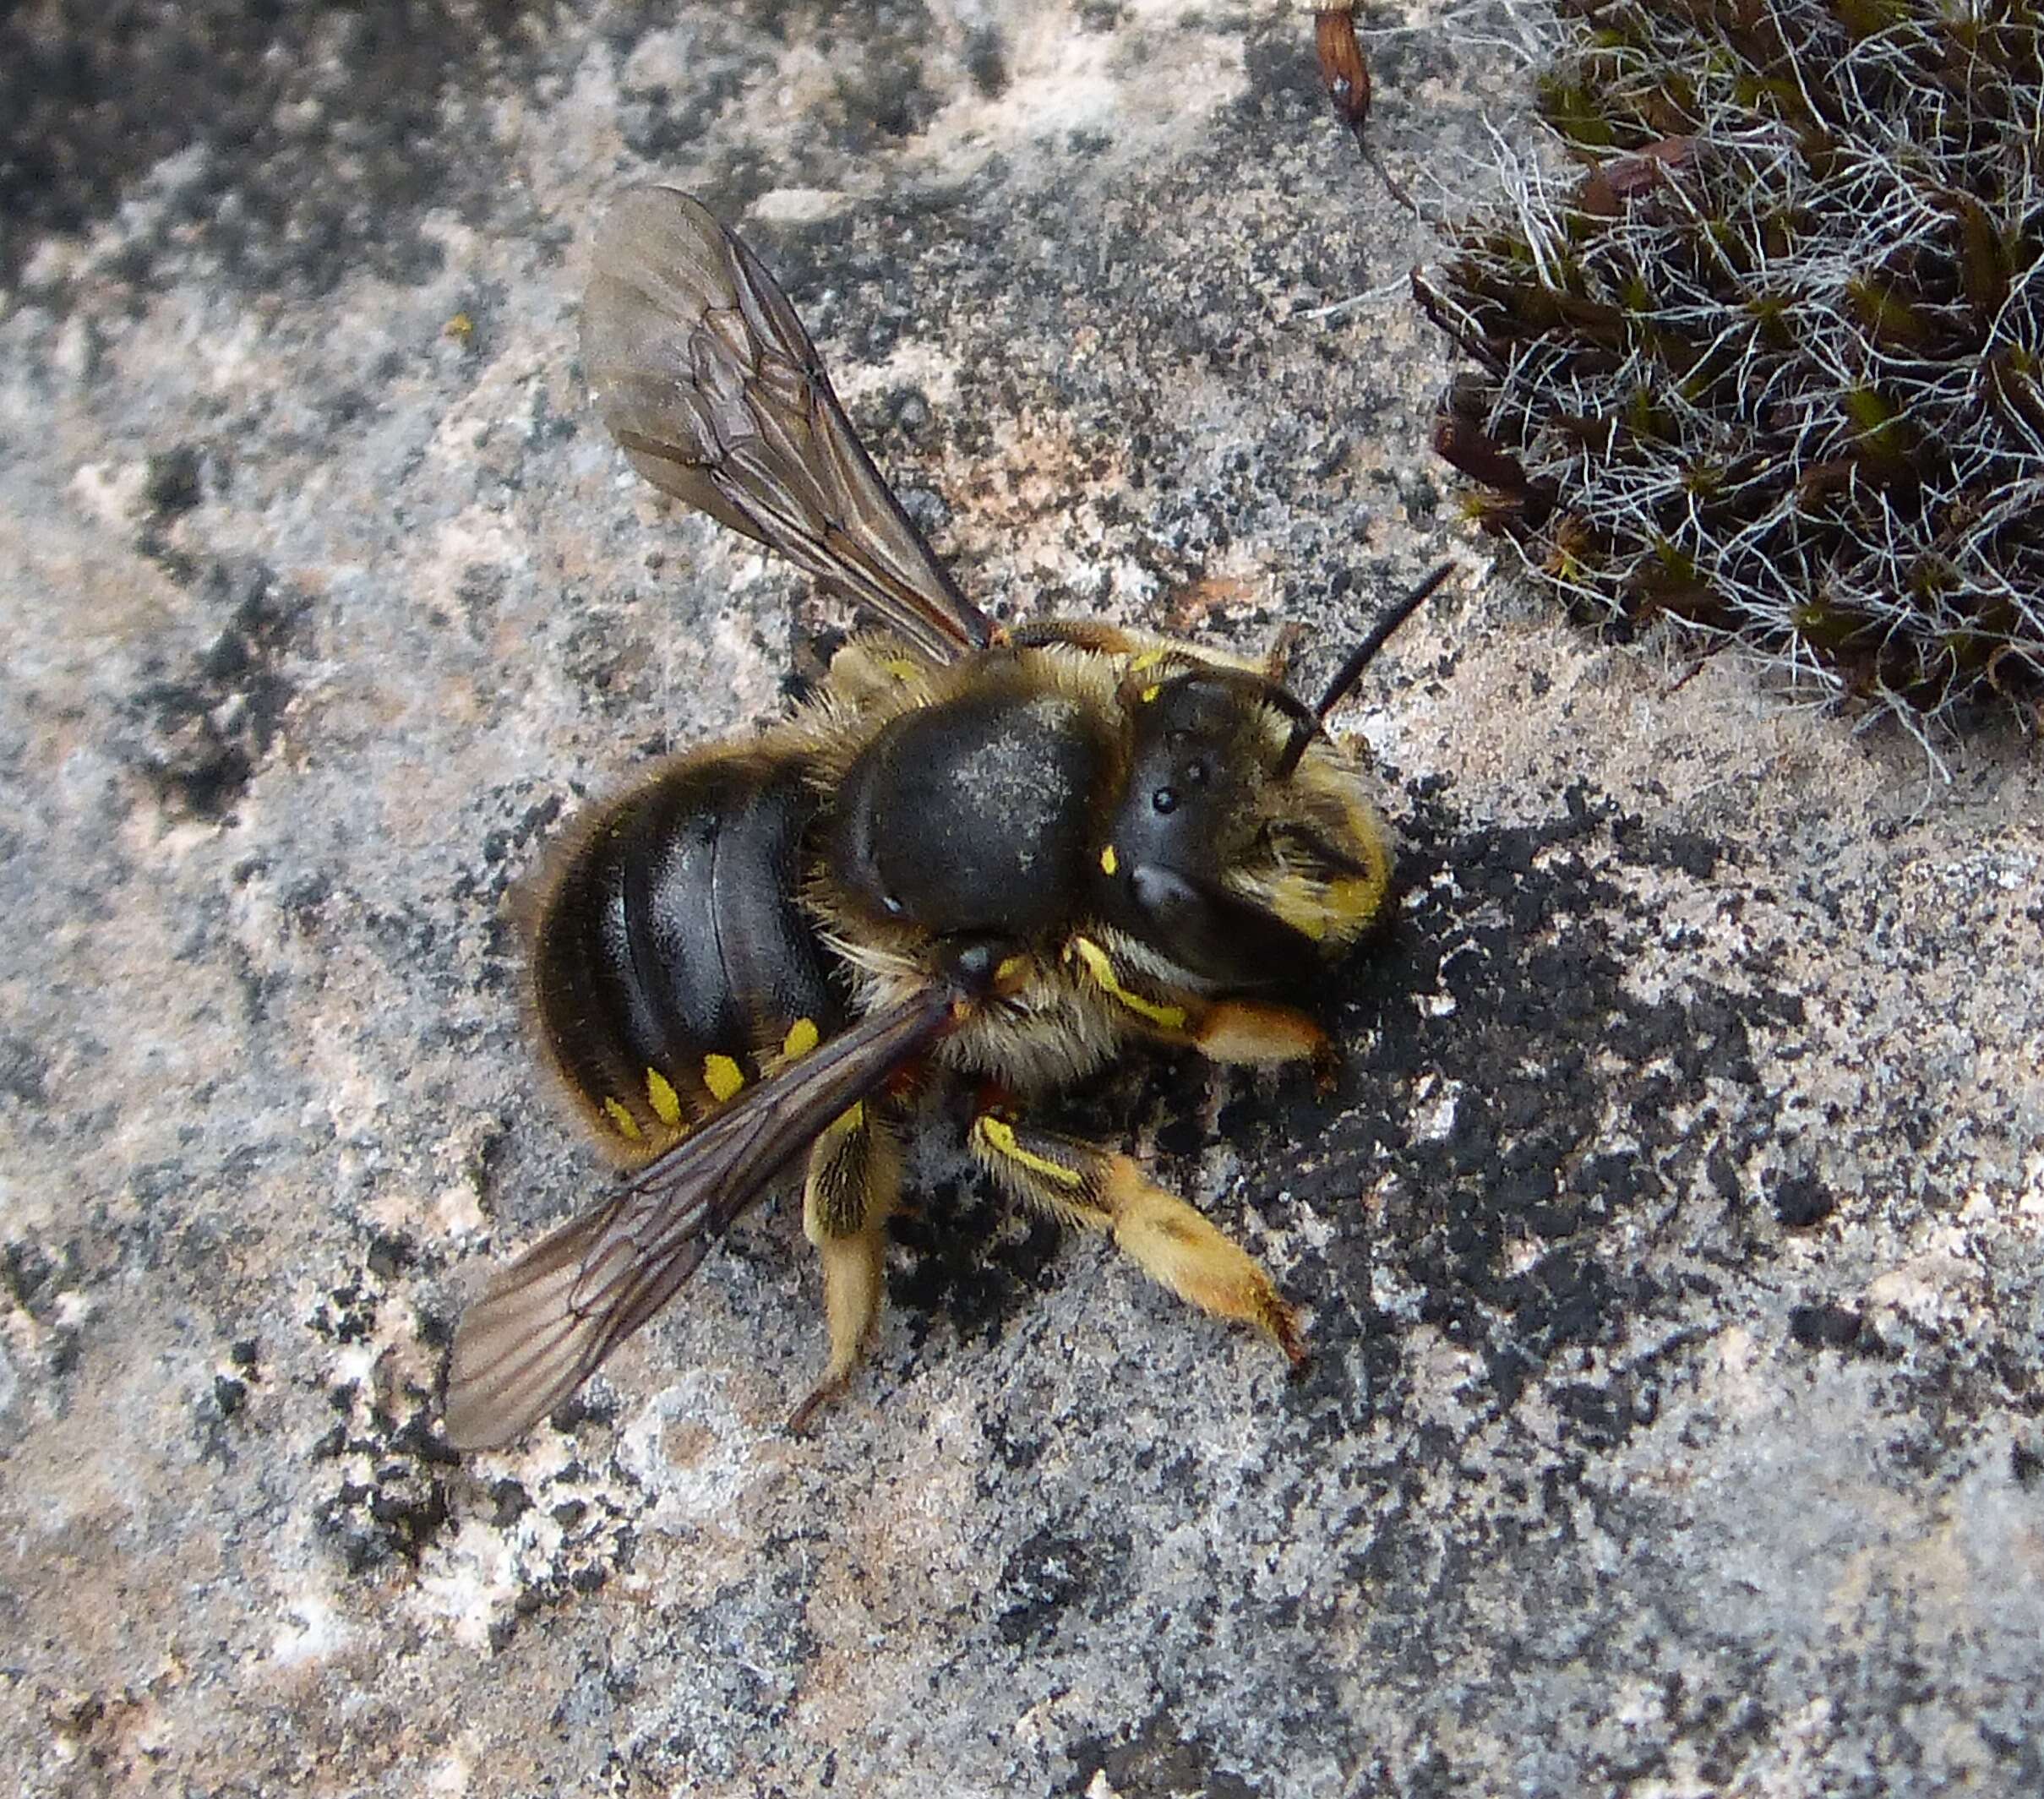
x,y
1164,799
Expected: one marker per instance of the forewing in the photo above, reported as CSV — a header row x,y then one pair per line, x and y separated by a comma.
x,y
707,381
545,1324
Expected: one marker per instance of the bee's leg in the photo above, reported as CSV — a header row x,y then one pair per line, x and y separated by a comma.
x,y
1081,1183
1260,1035
867,670
1277,659
854,1178
1251,1032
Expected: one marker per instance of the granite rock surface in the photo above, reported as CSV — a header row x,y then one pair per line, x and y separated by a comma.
x,y
1669,1247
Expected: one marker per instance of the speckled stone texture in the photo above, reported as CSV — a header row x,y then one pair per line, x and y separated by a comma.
x,y
1669,1247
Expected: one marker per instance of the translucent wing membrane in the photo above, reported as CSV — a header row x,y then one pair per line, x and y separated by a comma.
x,y
545,1323
707,381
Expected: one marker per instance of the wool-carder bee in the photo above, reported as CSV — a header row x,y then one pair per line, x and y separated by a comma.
x,y
1003,853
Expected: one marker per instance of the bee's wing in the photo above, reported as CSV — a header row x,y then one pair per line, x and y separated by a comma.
x,y
707,381
546,1322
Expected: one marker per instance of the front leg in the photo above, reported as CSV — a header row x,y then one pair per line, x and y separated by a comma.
x,y
1081,1183
1254,1034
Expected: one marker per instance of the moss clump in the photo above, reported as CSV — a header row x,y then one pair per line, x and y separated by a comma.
x,y
1770,361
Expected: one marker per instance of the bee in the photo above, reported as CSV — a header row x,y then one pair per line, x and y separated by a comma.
x,y
1004,853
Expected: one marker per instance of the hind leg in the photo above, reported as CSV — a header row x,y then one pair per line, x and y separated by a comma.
x,y
854,1179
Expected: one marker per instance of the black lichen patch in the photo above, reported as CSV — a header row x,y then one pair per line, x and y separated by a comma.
x,y
1826,1326
387,1485
986,62
316,141
174,480
395,1512
590,1535
36,1280
973,1263
1157,1758
24,1070
205,732
390,1497
390,1493
218,1419
1519,1121
1801,1202
1051,1573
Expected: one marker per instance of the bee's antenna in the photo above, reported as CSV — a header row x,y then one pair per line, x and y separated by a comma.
x,y
1351,671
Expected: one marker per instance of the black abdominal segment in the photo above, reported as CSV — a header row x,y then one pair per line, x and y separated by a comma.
x,y
673,960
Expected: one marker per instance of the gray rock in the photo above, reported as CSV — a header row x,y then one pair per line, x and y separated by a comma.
x,y
1669,1248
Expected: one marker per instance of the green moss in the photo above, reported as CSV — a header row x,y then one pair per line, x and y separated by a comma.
x,y
1778,365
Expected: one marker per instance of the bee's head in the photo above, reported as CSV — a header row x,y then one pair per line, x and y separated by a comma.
x,y
1244,845
1242,848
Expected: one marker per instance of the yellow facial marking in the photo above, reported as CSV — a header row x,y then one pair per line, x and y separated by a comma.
x,y
1151,693
1301,903
665,1101
1011,973
1000,1134
802,1038
1108,860
1323,909
722,1076
620,1114
852,1118
1095,959
1149,659
1355,900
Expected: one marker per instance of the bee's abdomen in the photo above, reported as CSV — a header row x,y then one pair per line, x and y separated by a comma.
x,y
672,956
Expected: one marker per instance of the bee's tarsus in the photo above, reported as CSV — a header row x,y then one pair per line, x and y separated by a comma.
x,y
804,1417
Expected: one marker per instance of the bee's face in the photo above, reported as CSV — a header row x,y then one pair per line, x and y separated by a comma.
x,y
1225,857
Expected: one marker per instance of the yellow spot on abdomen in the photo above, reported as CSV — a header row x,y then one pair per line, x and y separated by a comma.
x,y
620,1114
722,1076
661,1095
803,1037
